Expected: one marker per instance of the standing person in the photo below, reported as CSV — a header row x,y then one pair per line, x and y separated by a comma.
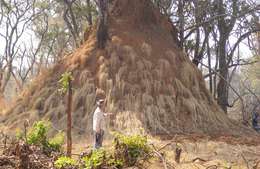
x,y
98,123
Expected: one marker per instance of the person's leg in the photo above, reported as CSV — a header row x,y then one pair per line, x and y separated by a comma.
x,y
96,140
257,128
101,137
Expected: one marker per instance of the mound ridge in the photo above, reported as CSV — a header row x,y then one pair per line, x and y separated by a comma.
x,y
148,82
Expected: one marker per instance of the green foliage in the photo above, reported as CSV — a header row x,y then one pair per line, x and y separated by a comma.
x,y
115,163
37,134
125,153
57,141
95,160
101,158
135,146
19,134
63,162
64,81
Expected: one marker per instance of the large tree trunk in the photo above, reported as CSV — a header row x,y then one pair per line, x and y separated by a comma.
x,y
224,31
210,71
102,30
89,14
222,88
181,22
72,25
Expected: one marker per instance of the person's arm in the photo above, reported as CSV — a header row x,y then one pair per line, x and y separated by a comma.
x,y
108,114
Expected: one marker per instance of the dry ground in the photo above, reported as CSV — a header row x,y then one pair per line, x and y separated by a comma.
x,y
198,152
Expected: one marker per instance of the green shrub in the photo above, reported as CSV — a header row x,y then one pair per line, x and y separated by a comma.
x,y
63,162
130,148
64,82
38,133
115,163
95,160
126,152
19,134
56,142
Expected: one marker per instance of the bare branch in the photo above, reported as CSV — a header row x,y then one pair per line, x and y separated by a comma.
x,y
230,66
233,89
240,39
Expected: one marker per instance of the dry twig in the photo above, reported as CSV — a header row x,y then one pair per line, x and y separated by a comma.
x,y
210,167
256,164
200,159
247,165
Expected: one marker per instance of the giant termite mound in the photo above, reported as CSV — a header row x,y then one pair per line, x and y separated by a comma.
x,y
148,82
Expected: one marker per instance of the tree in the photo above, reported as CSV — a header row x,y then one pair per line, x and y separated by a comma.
x,y
16,19
102,29
51,36
70,19
213,29
66,87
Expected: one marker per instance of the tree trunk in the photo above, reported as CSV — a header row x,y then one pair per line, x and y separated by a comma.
x,y
73,27
215,77
102,30
89,14
181,22
69,120
5,77
210,71
196,58
222,88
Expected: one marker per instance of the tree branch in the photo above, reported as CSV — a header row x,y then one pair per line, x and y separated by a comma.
x,y
232,65
241,38
241,99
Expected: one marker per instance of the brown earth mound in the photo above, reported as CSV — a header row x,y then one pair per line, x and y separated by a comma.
x,y
148,82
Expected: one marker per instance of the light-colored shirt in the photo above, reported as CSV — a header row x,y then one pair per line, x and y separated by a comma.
x,y
98,120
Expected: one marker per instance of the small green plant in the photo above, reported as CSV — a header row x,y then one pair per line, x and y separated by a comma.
x,y
125,153
64,82
130,148
115,163
63,162
38,133
57,141
95,160
19,134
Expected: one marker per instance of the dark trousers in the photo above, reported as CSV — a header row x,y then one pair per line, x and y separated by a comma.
x,y
257,128
98,139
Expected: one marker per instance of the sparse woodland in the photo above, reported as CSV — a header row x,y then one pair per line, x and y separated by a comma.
x,y
182,71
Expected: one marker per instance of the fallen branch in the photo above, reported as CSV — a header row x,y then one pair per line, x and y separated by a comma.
x,y
164,146
199,159
256,165
209,167
162,158
247,165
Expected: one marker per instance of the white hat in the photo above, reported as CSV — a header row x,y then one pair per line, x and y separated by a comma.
x,y
100,102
